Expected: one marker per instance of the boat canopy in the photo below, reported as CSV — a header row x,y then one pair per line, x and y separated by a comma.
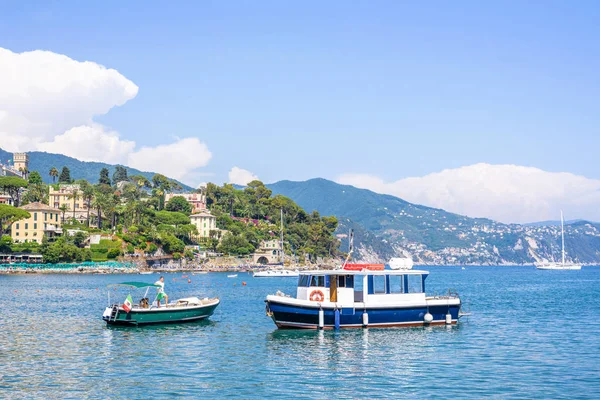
x,y
134,284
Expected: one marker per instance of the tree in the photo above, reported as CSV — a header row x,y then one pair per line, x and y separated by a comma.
x,y
87,193
120,175
79,239
53,174
35,178
63,208
180,204
237,245
10,215
74,196
12,185
65,175
104,178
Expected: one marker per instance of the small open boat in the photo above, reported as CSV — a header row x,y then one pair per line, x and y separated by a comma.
x,y
232,276
143,313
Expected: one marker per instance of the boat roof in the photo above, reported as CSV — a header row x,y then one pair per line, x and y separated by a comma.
x,y
366,272
134,284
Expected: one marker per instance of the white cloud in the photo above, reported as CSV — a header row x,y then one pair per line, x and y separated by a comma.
x,y
90,143
48,102
241,176
45,94
506,193
176,160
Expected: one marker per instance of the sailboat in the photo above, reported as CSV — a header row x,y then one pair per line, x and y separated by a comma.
x,y
555,265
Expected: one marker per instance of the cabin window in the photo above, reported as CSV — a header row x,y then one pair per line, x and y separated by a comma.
x,y
345,281
318,281
379,284
396,284
358,286
415,284
303,281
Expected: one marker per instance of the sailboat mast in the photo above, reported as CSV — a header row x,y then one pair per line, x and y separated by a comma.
x,y
562,232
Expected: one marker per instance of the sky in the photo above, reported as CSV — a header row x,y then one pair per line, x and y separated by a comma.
x,y
489,109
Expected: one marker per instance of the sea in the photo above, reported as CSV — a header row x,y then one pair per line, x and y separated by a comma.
x,y
531,335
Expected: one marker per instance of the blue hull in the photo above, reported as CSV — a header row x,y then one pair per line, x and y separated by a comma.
x,y
291,316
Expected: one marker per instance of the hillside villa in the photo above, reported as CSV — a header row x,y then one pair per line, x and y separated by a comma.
x,y
196,200
204,222
43,220
64,196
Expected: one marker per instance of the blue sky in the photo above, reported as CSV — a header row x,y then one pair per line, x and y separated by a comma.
x,y
319,89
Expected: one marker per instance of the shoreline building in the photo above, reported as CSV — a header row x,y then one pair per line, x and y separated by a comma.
x,y
44,220
269,252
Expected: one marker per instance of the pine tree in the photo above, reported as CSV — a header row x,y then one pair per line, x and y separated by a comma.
x,y
119,175
104,178
65,176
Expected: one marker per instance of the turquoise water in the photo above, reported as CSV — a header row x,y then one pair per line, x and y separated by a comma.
x,y
533,334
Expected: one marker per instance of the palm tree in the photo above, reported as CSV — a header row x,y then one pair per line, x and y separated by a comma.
x,y
64,209
53,173
88,196
75,196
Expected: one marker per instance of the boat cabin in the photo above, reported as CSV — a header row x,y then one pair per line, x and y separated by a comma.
x,y
365,286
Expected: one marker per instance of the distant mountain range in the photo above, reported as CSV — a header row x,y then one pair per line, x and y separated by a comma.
x,y
386,226
90,171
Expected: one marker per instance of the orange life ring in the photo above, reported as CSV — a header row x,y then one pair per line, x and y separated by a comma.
x,y
316,295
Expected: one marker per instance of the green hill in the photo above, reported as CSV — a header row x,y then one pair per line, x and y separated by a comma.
x,y
90,171
386,226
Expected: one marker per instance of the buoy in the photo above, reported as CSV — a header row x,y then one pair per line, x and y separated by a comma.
x,y
365,319
336,319
428,318
189,281
321,318
448,319
243,283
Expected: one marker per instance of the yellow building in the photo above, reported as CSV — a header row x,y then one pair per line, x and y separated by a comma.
x,y
62,196
43,220
204,222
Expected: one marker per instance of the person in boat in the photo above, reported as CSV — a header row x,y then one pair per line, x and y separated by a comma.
x,y
161,291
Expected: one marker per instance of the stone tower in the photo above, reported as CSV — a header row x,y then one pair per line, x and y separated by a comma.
x,y
21,161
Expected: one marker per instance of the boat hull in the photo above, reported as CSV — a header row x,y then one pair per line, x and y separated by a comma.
x,y
163,315
290,316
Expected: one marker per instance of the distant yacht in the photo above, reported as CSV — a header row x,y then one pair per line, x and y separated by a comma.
x,y
401,263
555,265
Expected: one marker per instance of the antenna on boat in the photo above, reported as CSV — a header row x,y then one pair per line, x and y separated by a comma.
x,y
350,247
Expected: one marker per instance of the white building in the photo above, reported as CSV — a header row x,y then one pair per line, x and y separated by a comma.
x,y
204,222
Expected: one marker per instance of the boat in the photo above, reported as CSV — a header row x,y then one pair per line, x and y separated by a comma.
x,y
146,272
187,309
401,263
564,265
362,295
271,273
232,276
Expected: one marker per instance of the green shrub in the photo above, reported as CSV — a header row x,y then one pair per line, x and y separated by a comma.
x,y
113,253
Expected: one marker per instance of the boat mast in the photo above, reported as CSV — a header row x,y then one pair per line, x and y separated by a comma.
x,y
281,239
562,231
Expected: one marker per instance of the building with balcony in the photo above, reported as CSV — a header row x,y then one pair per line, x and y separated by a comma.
x,y
43,220
197,200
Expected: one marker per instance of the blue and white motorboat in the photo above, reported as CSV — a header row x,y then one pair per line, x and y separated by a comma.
x,y
362,295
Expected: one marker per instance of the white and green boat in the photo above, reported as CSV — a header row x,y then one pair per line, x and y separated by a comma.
x,y
145,312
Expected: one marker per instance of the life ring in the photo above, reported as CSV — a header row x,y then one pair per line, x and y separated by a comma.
x,y
316,295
